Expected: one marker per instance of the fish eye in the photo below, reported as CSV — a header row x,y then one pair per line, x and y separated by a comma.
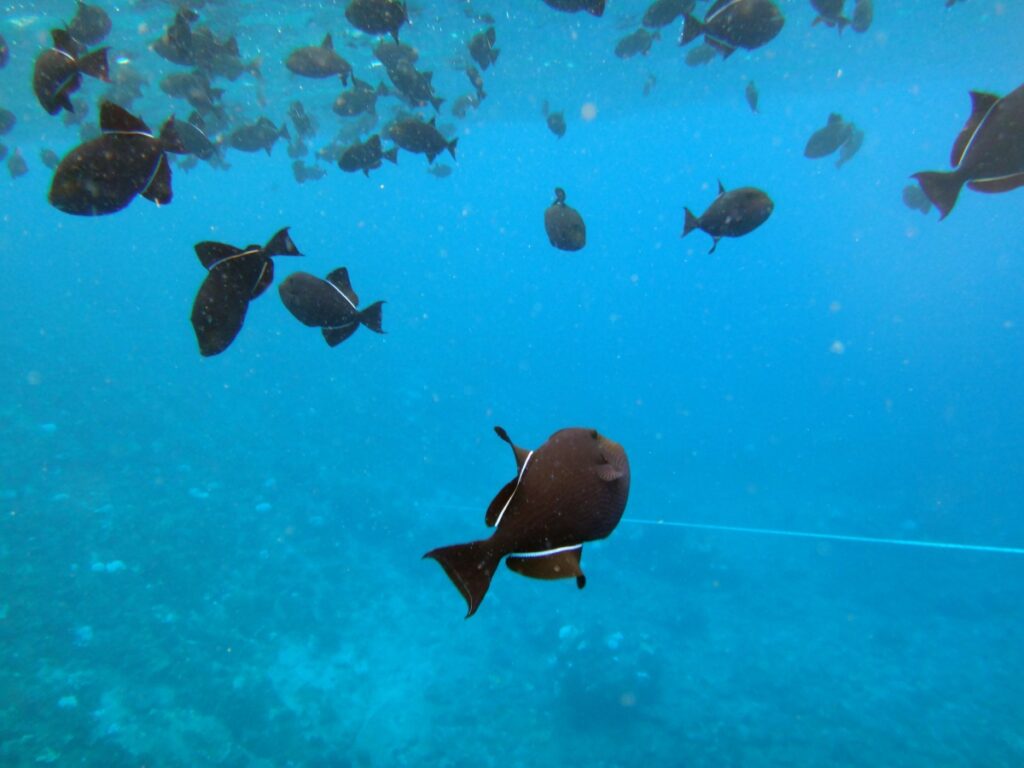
x,y
593,434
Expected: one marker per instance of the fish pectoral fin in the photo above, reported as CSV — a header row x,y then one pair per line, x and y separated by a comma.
x,y
1000,184
549,566
608,473
500,502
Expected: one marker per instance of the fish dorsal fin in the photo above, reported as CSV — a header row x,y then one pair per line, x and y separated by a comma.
x,y
359,85
211,254
835,119
114,118
521,454
721,187
328,43
374,142
232,46
63,41
981,103
339,279
433,121
281,245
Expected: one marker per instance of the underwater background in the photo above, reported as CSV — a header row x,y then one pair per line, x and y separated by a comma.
x,y
217,561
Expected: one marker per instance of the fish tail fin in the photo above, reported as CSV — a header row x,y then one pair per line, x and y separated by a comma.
x,y
391,155
692,29
470,567
372,317
95,65
941,188
451,148
170,140
436,102
691,223
281,244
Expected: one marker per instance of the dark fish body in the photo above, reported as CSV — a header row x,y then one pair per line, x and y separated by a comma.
x,y
827,140
7,121
464,103
915,199
988,155
220,57
304,124
477,82
481,48
392,54
751,95
5,52
571,490
330,305
377,17
58,71
90,25
304,173
700,55
863,15
555,121
175,44
50,158
194,140
16,165
360,99
851,146
415,135
732,24
262,134
635,44
103,175
319,61
235,276
661,13
414,85
593,7
366,156
194,87
564,225
440,171
830,13
732,214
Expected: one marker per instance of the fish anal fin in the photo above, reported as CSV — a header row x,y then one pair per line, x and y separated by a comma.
x,y
499,502
981,103
1001,184
470,567
551,566
334,336
339,279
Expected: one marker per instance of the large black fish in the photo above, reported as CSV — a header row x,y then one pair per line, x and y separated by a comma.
x,y
414,135
593,7
827,140
481,48
732,24
58,71
564,225
571,490
235,276
319,61
988,155
103,175
330,305
377,17
90,25
660,13
733,214
366,156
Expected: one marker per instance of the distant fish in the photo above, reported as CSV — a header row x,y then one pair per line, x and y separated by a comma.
x,y
649,83
414,85
555,121
253,137
827,140
304,124
593,7
366,156
851,146
58,71
194,139
330,305
175,44
571,490
440,170
830,13
661,13
319,61
481,48
7,121
751,95
915,199
377,17
988,155
50,158
104,174
90,25
863,15
564,225
360,99
732,214
635,44
477,82
700,55
414,135
235,276
16,165
732,24
304,173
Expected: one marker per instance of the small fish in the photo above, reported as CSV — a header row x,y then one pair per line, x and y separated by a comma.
x,y
58,71
732,214
555,121
593,7
361,99
987,156
175,44
235,276
752,96
915,199
564,225
90,25
700,55
863,15
635,44
830,13
851,146
304,173
649,83
827,140
366,156
571,490
661,13
477,82
253,137
16,165
50,158
414,85
464,103
304,124
391,54
319,61
482,50
330,305
7,121
732,24
105,174
377,17
440,171
195,88
414,135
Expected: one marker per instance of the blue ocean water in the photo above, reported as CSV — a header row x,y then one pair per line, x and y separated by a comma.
x,y
217,562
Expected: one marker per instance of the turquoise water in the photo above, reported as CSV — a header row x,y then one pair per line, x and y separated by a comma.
x,y
217,561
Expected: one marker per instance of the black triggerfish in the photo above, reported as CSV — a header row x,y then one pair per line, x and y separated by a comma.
x,y
330,305
732,214
571,490
565,227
